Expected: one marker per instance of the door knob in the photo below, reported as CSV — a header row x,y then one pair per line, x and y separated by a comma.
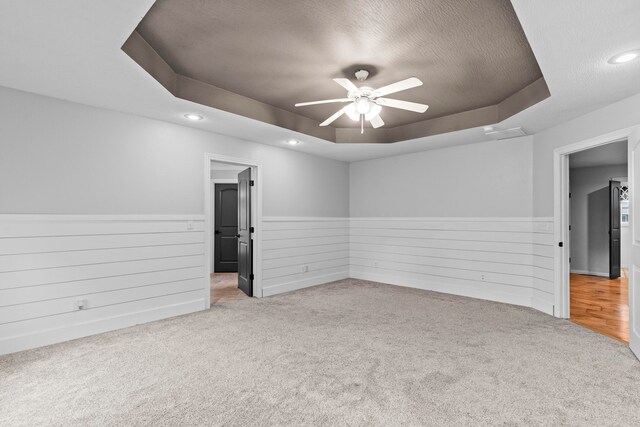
x,y
238,236
216,232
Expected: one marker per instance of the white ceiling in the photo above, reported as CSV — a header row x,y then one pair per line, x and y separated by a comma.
x,y
71,50
605,155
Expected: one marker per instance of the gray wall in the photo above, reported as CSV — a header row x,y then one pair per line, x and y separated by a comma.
x,y
70,158
619,115
590,217
63,157
489,179
493,176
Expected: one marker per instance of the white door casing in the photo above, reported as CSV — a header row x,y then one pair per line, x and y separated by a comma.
x,y
634,271
561,209
256,218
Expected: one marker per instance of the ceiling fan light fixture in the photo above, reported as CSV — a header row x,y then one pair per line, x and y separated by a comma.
x,y
374,111
363,105
351,111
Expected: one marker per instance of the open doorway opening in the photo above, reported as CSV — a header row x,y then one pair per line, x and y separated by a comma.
x,y
599,239
224,217
232,212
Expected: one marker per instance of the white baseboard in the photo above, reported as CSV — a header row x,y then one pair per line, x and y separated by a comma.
x,y
590,273
52,336
304,283
471,291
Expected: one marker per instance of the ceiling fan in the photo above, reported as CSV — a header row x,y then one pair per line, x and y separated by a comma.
x,y
366,103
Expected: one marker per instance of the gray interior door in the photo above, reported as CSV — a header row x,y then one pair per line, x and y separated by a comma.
x,y
226,228
245,242
614,229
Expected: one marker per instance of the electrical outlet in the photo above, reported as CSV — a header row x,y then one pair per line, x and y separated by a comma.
x,y
190,225
81,304
305,268
482,277
375,263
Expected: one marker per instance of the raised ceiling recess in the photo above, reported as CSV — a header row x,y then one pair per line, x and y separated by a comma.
x,y
258,58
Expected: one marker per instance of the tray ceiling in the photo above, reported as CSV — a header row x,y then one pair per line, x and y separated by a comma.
x,y
258,58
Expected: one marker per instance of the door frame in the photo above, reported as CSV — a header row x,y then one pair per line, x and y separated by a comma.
x,y
213,183
256,220
561,213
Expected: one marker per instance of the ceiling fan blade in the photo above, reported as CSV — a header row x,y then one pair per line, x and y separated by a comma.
x,y
347,84
409,83
376,121
326,101
403,105
332,118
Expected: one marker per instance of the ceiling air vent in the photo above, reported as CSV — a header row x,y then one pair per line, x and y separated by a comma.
x,y
506,134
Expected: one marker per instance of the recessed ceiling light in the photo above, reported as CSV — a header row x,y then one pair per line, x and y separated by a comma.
x,y
194,117
293,141
623,57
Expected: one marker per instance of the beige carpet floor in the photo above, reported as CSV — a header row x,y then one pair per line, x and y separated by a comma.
x,y
351,353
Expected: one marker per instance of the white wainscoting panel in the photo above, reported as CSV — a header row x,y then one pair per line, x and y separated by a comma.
x,y
125,269
501,259
134,269
300,251
543,270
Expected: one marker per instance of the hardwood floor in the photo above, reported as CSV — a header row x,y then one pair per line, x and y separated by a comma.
x,y
224,287
601,305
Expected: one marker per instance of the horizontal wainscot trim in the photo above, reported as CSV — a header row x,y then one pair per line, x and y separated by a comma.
x,y
69,276
299,252
501,259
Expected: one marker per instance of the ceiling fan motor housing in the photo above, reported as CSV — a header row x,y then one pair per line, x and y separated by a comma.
x,y
363,92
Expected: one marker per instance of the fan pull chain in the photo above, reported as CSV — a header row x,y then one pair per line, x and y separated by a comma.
x,y
361,124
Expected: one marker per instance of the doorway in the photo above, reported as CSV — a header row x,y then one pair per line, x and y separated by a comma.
x,y
232,212
597,241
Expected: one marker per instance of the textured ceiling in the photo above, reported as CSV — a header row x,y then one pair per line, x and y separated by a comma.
x,y
469,53
80,45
